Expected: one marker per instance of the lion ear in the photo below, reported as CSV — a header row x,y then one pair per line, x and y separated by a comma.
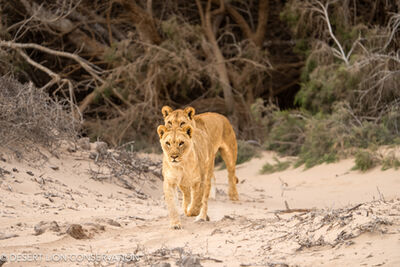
x,y
190,112
166,110
188,130
161,129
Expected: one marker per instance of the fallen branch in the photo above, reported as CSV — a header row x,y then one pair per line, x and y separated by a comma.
x,y
210,259
355,207
92,69
292,210
55,79
89,67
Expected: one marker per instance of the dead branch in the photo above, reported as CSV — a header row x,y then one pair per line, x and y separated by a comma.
x,y
323,10
355,207
55,79
62,24
90,97
292,210
92,69
393,26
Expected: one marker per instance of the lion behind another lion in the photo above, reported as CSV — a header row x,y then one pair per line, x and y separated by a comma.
x,y
189,144
220,135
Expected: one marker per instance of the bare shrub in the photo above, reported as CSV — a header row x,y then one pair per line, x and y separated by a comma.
x,y
127,169
29,115
377,91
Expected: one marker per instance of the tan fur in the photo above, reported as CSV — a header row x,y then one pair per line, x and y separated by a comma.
x,y
220,136
186,163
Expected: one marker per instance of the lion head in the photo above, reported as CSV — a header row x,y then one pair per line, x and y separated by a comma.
x,y
178,118
175,143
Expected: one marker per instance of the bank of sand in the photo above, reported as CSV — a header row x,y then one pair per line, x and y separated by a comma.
x,y
328,215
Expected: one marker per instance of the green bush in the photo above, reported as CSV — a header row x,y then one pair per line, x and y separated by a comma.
x,y
277,167
320,138
364,160
286,134
320,143
323,85
390,161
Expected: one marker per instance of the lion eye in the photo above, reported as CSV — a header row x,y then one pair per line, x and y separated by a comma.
x,y
167,143
181,143
169,123
182,123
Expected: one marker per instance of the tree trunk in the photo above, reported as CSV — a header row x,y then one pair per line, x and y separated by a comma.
x,y
256,37
220,66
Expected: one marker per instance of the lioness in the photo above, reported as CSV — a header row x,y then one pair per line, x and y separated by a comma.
x,y
219,133
186,163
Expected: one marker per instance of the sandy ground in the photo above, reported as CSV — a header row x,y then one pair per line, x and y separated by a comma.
x,y
54,213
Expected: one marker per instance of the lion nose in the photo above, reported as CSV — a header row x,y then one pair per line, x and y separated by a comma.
x,y
174,157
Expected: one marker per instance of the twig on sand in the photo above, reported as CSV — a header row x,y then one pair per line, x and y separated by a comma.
x,y
292,210
287,205
380,194
289,210
355,207
210,259
136,218
284,186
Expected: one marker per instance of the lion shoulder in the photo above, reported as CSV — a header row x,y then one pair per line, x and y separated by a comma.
x,y
217,126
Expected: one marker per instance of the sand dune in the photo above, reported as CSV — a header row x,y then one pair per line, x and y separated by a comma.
x,y
66,211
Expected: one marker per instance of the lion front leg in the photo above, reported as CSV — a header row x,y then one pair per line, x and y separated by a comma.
x,y
186,198
196,197
204,201
169,195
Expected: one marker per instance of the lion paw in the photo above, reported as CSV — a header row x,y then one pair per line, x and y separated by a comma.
x,y
176,226
199,219
234,196
202,219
